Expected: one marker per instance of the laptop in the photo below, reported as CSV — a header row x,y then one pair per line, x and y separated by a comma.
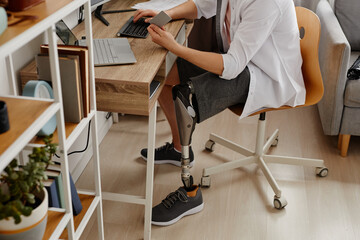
x,y
107,51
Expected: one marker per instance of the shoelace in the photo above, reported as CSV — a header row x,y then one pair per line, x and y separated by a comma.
x,y
167,147
170,199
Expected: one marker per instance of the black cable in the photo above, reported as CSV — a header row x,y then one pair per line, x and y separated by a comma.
x,y
108,115
87,143
118,11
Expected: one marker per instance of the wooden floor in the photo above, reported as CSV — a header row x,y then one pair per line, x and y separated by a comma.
x,y
238,205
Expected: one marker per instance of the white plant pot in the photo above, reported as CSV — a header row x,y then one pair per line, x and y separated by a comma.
x,y
31,227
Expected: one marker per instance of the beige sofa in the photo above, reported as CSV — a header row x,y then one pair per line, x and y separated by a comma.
x,y
339,47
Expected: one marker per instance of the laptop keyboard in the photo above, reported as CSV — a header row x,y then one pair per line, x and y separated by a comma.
x,y
131,29
102,51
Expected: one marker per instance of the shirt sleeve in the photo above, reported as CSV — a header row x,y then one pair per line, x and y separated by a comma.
x,y
205,8
257,23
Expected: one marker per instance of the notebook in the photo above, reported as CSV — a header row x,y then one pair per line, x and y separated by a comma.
x,y
107,51
70,84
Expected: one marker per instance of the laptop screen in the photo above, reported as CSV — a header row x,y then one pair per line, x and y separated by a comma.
x,y
65,34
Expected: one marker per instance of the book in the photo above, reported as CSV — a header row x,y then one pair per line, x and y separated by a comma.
x,y
56,175
70,84
76,203
82,52
75,199
60,188
50,186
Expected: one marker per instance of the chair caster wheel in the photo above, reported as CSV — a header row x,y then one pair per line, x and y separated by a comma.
x,y
279,202
275,142
209,145
205,181
322,171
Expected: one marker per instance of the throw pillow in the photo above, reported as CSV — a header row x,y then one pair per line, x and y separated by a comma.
x,y
348,14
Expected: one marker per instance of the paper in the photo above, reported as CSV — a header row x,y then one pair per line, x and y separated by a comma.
x,y
159,5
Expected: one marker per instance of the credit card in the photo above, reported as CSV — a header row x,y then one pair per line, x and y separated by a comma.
x,y
161,19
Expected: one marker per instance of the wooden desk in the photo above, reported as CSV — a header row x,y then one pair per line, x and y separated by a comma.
x,y
125,88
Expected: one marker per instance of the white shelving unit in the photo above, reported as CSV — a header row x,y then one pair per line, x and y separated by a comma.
x,y
28,115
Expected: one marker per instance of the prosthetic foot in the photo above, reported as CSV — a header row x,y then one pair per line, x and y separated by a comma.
x,y
186,120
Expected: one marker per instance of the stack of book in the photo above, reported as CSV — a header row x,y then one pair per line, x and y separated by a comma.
x,y
55,188
74,75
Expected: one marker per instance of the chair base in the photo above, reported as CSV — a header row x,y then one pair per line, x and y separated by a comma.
x,y
260,158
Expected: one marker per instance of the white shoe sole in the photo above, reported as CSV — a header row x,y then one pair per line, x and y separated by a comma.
x,y
176,163
189,212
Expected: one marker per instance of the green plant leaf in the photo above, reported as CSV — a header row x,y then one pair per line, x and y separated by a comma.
x,y
14,163
14,176
31,201
29,196
24,186
4,198
18,204
24,181
26,211
17,218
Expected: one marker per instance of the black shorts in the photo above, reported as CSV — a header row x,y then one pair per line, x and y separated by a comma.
x,y
213,94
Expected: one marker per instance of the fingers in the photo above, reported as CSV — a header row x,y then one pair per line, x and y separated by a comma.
x,y
150,30
138,14
144,13
153,33
156,29
147,20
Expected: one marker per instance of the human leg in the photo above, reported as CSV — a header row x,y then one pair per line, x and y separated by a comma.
x,y
170,153
167,105
195,99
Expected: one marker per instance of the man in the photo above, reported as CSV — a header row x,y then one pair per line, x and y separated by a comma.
x,y
259,65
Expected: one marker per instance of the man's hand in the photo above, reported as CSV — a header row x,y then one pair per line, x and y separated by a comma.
x,y
162,37
144,13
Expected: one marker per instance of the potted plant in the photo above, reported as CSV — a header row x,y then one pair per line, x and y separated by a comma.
x,y
23,198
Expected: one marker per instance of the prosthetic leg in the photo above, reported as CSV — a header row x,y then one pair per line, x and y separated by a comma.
x,y
186,119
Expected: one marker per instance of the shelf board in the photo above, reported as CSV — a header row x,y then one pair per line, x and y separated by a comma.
x,y
54,217
86,201
69,128
22,113
72,131
53,221
47,13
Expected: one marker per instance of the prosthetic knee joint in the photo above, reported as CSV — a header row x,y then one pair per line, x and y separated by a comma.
x,y
186,120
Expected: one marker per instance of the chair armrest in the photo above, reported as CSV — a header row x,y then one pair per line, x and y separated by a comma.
x,y
334,56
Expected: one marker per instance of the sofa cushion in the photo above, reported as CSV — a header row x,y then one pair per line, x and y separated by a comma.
x,y
347,12
352,91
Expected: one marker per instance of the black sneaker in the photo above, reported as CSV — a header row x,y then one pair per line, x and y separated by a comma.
x,y
176,205
168,154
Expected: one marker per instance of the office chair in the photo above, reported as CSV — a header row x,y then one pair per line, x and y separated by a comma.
x,y
309,27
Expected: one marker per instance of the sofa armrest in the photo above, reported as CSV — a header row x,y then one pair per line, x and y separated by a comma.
x,y
334,55
309,4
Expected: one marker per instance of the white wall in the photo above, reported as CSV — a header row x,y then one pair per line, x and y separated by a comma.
x,y
21,58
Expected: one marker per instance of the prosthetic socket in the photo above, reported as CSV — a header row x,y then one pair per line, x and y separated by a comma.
x,y
186,120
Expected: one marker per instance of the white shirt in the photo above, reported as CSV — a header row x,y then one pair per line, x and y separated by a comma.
x,y
265,37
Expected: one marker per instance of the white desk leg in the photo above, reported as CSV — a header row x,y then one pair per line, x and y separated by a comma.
x,y
150,173
115,117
